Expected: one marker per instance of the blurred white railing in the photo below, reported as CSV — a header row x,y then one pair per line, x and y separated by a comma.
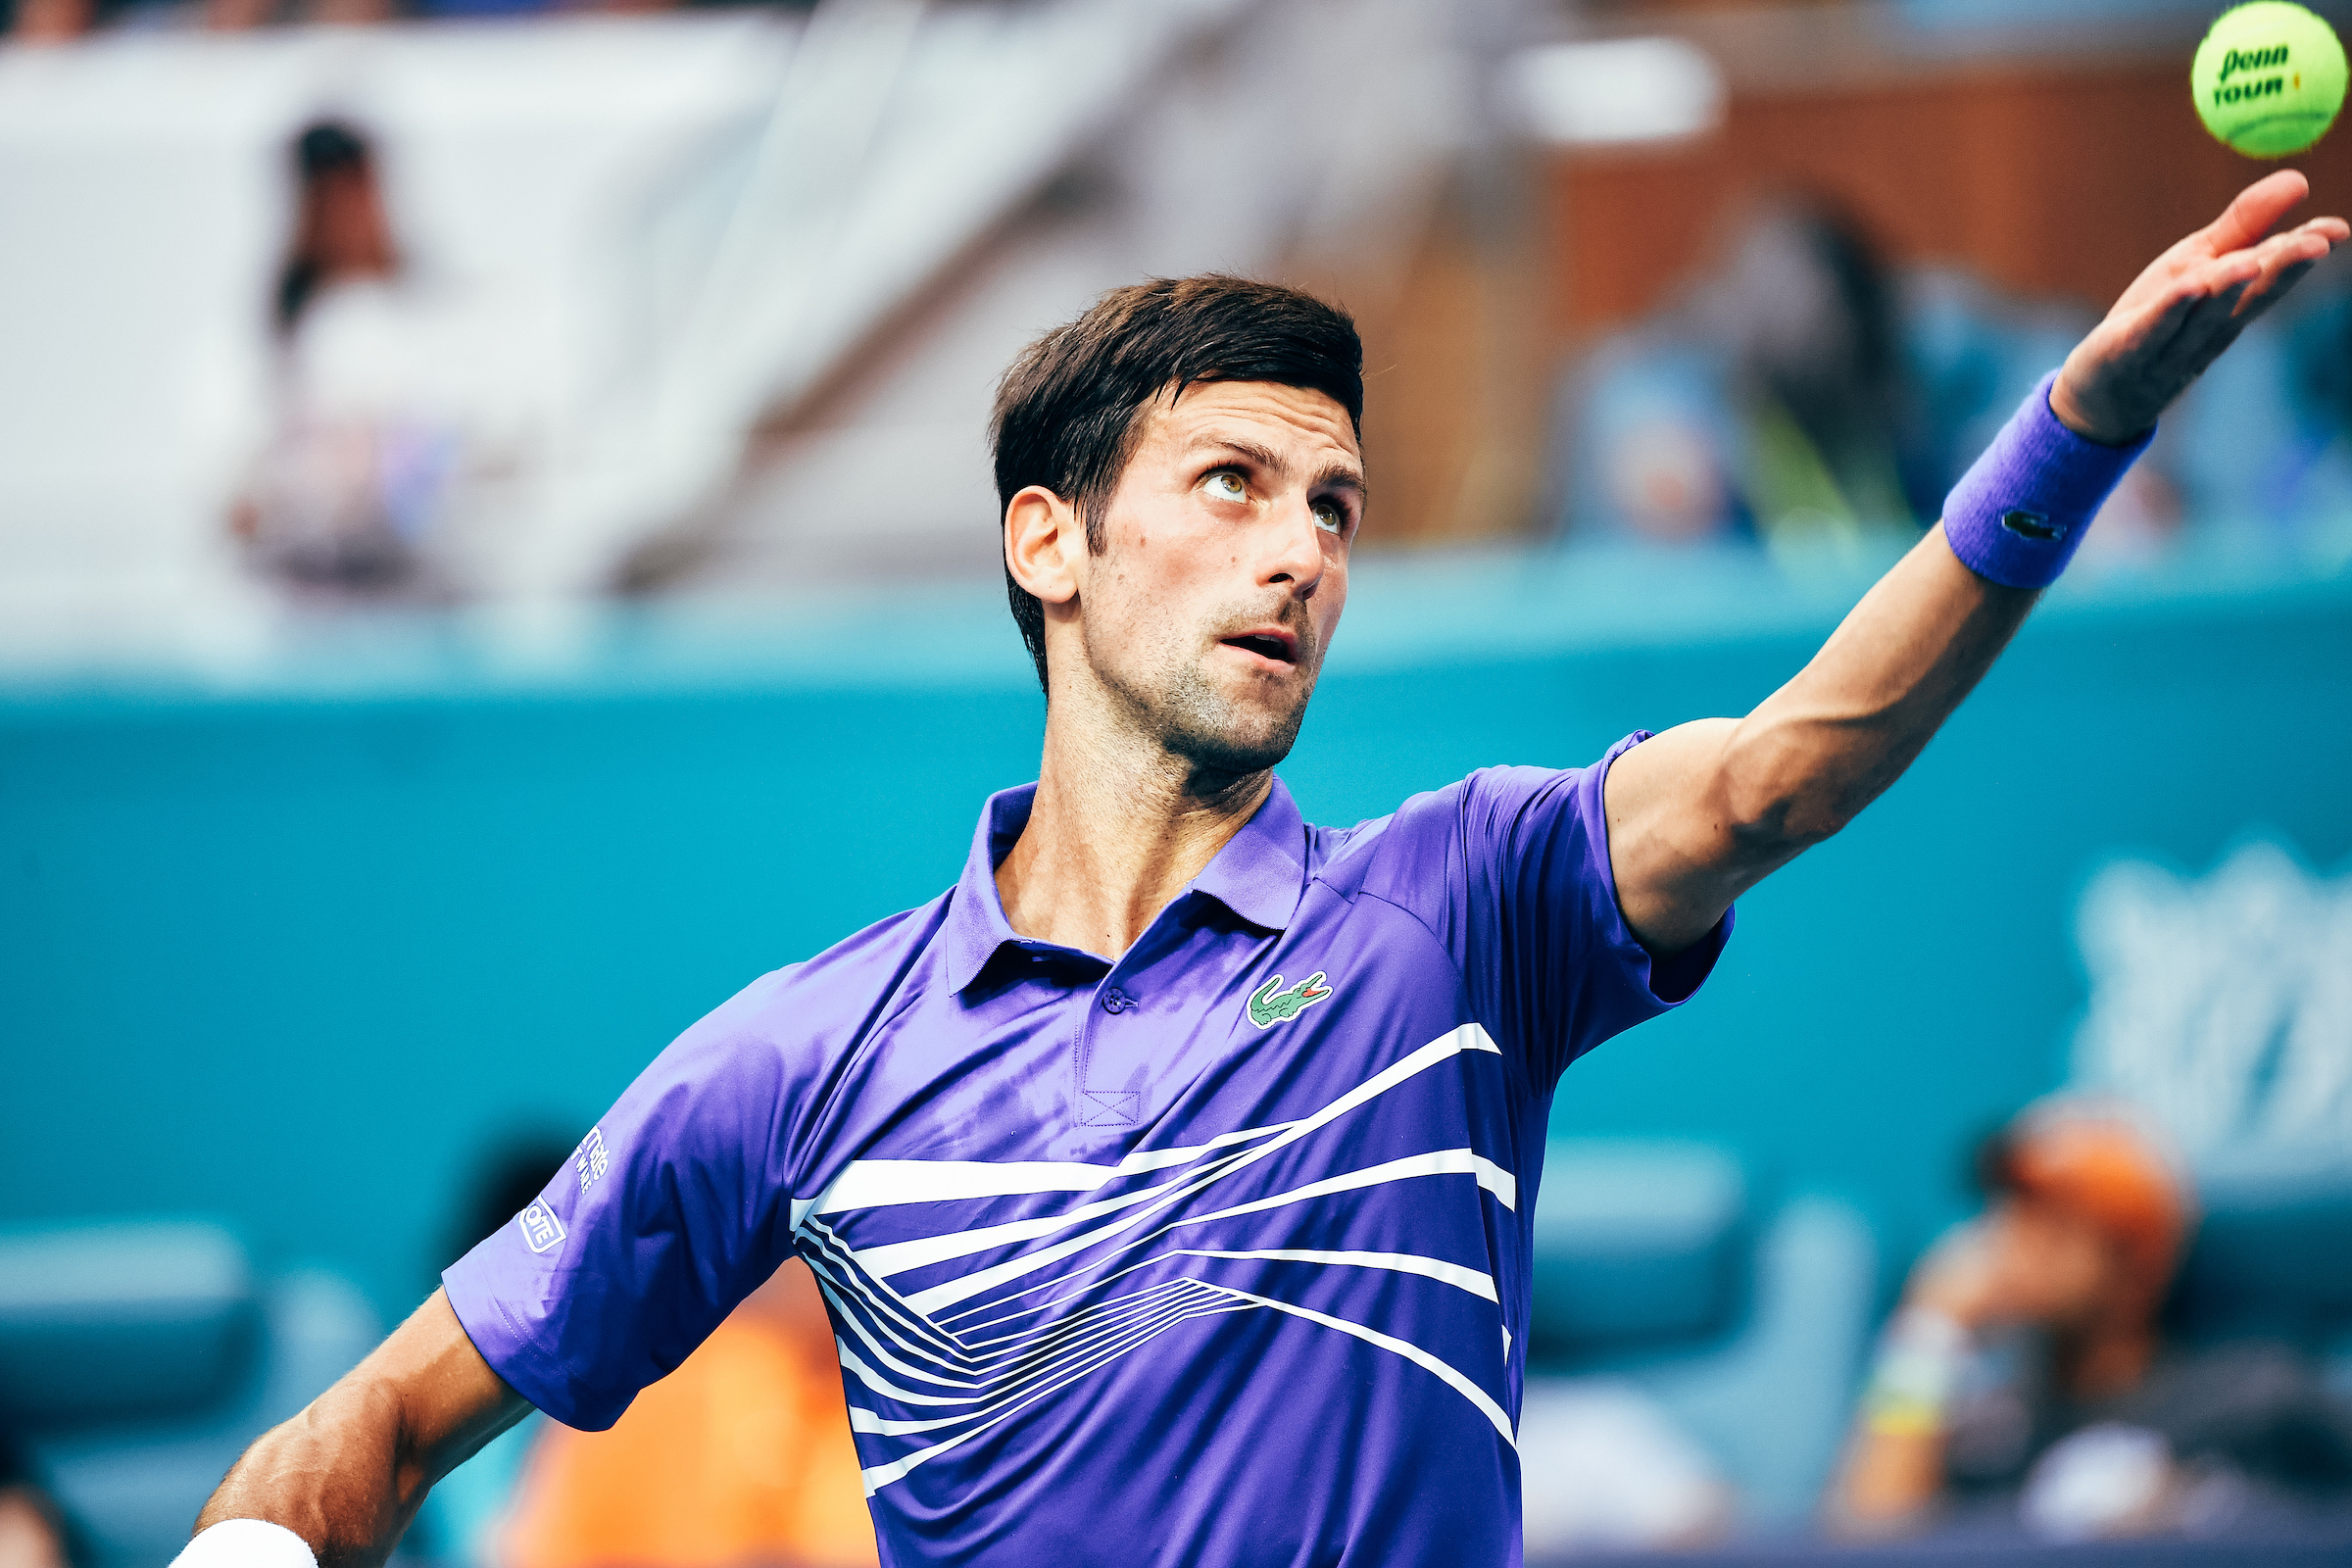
x,y
656,233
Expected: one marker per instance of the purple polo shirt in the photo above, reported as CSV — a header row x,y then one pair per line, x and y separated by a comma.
x,y
1215,1255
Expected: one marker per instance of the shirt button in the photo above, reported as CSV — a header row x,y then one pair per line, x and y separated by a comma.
x,y
1115,1000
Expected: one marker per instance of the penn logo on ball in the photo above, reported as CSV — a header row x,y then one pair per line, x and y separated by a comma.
x,y
2268,78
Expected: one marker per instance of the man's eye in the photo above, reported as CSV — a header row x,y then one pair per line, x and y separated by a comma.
x,y
1226,485
1330,518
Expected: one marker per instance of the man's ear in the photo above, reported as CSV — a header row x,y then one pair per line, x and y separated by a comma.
x,y
1044,544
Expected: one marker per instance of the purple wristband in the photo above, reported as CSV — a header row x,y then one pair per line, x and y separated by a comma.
x,y
2017,516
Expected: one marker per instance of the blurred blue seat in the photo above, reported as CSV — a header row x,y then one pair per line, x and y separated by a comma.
x,y
1652,1268
140,1358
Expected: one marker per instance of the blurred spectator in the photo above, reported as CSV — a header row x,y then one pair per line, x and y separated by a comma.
x,y
1802,394
40,21
338,498
2263,444
397,421
742,1457
33,1530
59,21
239,16
341,234
2027,1364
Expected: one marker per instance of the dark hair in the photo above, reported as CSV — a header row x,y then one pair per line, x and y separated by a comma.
x,y
323,147
1069,412
1853,262
1992,1164
327,144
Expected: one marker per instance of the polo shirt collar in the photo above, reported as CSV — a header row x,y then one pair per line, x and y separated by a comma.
x,y
1259,876
1260,873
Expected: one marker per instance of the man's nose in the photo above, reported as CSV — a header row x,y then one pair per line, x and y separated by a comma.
x,y
1295,555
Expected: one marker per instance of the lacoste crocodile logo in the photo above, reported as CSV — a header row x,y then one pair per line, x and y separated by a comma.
x,y
1270,1004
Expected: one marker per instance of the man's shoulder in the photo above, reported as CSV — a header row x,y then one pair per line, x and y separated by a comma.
x,y
841,983
1436,816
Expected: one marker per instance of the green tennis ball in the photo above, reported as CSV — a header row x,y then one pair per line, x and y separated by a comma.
x,y
2268,78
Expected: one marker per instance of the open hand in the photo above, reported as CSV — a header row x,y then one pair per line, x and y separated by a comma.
x,y
2189,305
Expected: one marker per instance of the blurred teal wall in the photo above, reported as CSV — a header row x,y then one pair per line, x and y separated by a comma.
x,y
292,943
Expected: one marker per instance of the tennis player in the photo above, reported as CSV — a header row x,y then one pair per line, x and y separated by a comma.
x,y
1169,1178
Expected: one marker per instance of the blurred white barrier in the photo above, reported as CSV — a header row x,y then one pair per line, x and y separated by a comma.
x,y
1614,92
648,235
143,199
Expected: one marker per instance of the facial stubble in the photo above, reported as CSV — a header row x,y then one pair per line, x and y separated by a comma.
x,y
1186,713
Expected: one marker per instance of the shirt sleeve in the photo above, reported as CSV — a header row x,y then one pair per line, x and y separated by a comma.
x,y
674,1207
1510,868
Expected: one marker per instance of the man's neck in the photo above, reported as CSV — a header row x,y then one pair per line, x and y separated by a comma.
x,y
1118,828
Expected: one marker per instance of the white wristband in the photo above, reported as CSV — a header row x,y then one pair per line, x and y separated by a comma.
x,y
246,1543
1921,1357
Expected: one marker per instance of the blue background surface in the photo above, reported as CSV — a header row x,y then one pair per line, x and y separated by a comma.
x,y
291,942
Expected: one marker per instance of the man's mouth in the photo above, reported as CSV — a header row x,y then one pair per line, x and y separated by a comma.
x,y
1272,644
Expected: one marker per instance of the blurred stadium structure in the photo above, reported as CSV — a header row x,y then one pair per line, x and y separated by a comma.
x,y
702,278
702,312
674,288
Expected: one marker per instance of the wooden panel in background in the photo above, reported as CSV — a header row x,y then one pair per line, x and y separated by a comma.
x,y
2046,184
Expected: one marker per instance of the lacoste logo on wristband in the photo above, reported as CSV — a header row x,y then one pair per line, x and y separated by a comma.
x,y
2033,526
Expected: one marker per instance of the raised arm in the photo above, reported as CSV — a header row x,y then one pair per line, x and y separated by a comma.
x,y
347,1474
1706,811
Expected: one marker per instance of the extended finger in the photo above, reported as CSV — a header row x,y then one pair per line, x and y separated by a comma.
x,y
2276,287
2302,248
2324,233
2148,329
2319,234
2222,276
2232,271
2257,210
2166,270
2273,288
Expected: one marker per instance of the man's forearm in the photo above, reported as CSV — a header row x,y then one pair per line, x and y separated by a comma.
x,y
1886,1481
348,1473
335,1475
1830,741
1716,805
